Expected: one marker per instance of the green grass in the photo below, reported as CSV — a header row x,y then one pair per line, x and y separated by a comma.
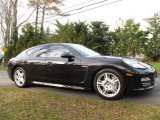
x,y
156,65
2,67
22,104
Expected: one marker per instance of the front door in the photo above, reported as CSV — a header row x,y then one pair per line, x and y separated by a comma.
x,y
60,70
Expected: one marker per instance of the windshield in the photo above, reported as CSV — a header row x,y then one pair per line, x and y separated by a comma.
x,y
84,51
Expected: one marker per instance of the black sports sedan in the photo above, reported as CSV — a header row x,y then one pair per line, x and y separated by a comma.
x,y
76,65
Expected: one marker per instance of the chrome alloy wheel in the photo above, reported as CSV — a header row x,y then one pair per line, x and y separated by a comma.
x,y
19,77
108,84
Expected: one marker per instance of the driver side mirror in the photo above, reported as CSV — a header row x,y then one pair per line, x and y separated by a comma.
x,y
68,55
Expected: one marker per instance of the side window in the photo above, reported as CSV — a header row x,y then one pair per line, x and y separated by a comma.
x,y
38,52
31,51
57,50
41,53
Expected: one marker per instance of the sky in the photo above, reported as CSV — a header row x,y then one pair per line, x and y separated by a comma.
x,y
112,14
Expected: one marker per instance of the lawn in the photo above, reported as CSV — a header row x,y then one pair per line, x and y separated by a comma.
x,y
2,67
156,65
22,104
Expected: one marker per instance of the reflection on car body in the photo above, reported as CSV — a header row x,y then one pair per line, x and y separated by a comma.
x,y
76,65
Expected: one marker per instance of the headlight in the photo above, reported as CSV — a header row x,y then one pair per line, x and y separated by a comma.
x,y
148,66
138,64
134,63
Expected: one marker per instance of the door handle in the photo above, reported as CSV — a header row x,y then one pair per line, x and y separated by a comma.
x,y
25,62
49,64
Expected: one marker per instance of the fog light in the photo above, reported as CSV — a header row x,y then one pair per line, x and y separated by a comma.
x,y
145,79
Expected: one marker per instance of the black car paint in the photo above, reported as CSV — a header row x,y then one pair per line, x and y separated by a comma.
x,y
79,72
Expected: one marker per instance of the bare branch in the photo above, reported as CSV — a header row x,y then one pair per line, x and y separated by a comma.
x,y
26,19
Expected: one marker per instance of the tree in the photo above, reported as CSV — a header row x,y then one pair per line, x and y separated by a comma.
x,y
47,6
129,39
76,32
5,20
9,25
26,39
28,36
120,46
100,37
95,36
81,33
153,44
64,33
14,32
44,6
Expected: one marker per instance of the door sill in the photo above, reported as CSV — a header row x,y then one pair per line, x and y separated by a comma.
x,y
58,85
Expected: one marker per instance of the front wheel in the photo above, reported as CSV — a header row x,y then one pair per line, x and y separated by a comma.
x,y
109,84
19,77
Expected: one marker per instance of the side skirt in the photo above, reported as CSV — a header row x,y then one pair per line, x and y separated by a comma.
x,y
58,85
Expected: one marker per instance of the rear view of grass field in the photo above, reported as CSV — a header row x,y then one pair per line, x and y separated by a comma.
x,y
156,65
21,104
2,67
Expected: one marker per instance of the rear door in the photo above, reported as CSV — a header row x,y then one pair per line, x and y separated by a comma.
x,y
36,64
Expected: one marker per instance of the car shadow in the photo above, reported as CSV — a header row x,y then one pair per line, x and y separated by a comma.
x,y
65,90
134,97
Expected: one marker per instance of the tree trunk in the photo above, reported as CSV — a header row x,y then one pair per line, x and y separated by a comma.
x,y
43,14
5,20
37,13
14,23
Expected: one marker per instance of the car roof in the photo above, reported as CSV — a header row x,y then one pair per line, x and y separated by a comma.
x,y
60,44
65,44
56,44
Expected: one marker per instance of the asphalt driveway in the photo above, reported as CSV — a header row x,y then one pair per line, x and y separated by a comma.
x,y
150,97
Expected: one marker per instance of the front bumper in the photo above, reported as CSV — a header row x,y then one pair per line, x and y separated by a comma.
x,y
135,83
142,89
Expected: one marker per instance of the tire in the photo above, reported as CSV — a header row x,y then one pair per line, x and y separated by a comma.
x,y
109,84
19,77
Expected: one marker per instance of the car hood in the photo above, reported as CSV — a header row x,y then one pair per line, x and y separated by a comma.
x,y
114,59
108,58
120,61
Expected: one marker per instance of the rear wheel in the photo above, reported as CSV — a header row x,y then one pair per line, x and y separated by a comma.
x,y
19,77
109,84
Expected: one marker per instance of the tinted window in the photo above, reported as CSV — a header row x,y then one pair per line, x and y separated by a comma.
x,y
41,53
38,52
84,51
57,50
34,50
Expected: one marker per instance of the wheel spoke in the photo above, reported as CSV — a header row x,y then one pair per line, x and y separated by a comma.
x,y
100,83
18,72
115,82
21,79
114,90
106,91
15,75
106,77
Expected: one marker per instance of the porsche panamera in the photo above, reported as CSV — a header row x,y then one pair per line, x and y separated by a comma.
x,y
75,65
